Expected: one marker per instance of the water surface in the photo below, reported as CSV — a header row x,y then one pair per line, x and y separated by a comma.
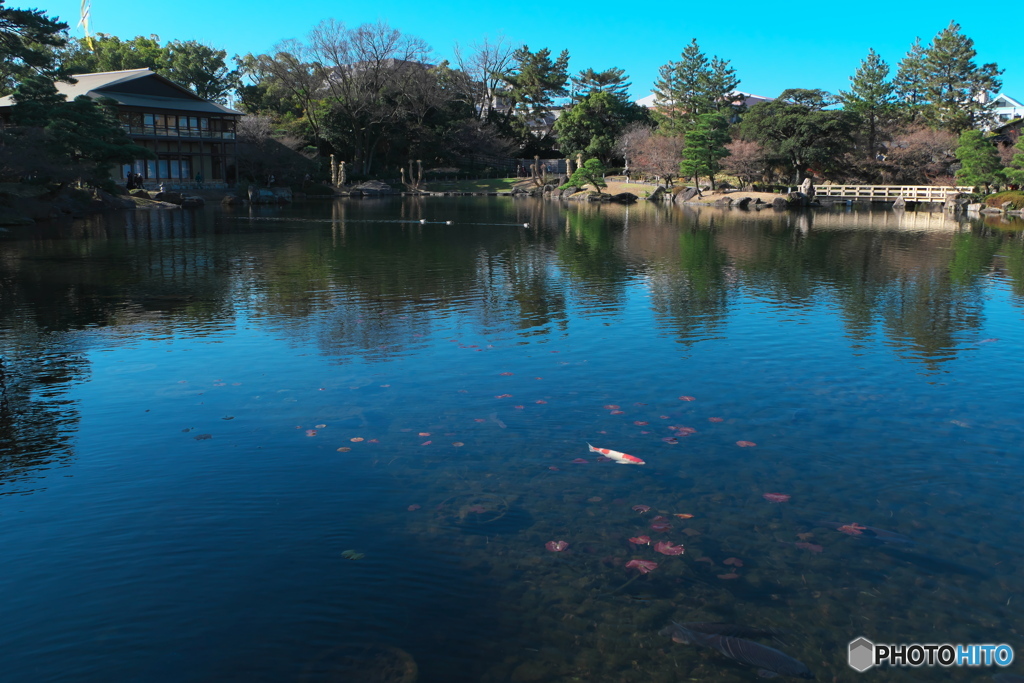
x,y
202,412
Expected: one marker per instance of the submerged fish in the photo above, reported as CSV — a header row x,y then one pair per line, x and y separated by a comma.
x,y
621,458
734,630
767,659
869,532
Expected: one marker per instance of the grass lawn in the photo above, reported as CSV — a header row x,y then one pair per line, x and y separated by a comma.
x,y
483,185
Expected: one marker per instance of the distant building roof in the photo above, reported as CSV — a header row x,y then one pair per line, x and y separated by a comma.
x,y
136,88
741,98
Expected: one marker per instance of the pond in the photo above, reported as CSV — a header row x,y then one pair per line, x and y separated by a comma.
x,y
349,441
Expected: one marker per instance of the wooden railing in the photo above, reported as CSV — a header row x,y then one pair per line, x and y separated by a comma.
x,y
889,193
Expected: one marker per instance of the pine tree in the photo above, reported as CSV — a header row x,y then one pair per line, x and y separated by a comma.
x,y
1014,173
955,88
590,173
610,80
909,81
871,97
690,87
704,148
979,160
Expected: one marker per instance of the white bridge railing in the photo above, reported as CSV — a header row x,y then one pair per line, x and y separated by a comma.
x,y
889,193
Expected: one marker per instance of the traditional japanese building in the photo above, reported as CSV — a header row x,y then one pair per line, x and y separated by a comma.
x,y
188,134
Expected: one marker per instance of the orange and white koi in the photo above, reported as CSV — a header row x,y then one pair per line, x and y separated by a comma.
x,y
621,458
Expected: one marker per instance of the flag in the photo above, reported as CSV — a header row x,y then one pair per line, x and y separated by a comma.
x,y
84,21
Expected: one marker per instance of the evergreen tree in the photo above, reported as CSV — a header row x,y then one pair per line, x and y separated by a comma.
x,y
611,80
110,53
704,147
956,89
27,41
84,133
1014,173
909,81
798,132
592,126
872,98
590,173
979,160
690,87
535,81
200,68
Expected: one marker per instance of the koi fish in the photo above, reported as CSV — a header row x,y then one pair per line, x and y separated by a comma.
x,y
769,660
621,458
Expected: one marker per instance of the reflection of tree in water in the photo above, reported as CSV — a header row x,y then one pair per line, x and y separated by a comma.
x,y
590,255
122,271
1013,264
922,288
691,294
36,418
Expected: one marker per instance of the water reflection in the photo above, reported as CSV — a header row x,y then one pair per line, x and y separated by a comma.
x,y
245,395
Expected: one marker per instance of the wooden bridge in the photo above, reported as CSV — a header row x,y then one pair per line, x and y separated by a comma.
x,y
889,193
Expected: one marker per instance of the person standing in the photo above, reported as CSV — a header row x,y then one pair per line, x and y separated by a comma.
x,y
199,180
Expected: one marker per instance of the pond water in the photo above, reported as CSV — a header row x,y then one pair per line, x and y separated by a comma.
x,y
330,442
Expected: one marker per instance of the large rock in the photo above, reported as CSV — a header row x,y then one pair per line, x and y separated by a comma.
x,y
624,198
900,204
724,202
373,188
658,194
687,194
192,202
139,192
232,200
780,203
955,202
743,203
807,188
171,197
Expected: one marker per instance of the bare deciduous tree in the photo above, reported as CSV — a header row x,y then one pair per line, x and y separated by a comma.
x,y
659,156
631,141
746,160
920,155
371,78
482,68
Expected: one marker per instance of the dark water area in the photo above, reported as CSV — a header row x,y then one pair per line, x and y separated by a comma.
x,y
330,442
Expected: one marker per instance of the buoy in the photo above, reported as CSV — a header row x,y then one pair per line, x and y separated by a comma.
x,y
423,220
526,225
447,222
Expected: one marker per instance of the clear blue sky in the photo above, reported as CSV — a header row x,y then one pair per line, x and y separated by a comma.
x,y
773,46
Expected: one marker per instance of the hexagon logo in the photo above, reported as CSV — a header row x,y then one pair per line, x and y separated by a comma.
x,y
862,654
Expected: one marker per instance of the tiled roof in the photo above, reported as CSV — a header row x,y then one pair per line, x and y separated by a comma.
x,y
102,85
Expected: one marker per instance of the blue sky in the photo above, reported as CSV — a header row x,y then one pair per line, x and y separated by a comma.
x,y
772,46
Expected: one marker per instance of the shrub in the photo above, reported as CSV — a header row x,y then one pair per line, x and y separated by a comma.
x,y
1014,196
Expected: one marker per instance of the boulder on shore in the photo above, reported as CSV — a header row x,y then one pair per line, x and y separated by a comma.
x,y
659,193
623,198
372,188
169,197
687,194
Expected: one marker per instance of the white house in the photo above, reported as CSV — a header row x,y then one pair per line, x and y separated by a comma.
x,y
1005,108
741,99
